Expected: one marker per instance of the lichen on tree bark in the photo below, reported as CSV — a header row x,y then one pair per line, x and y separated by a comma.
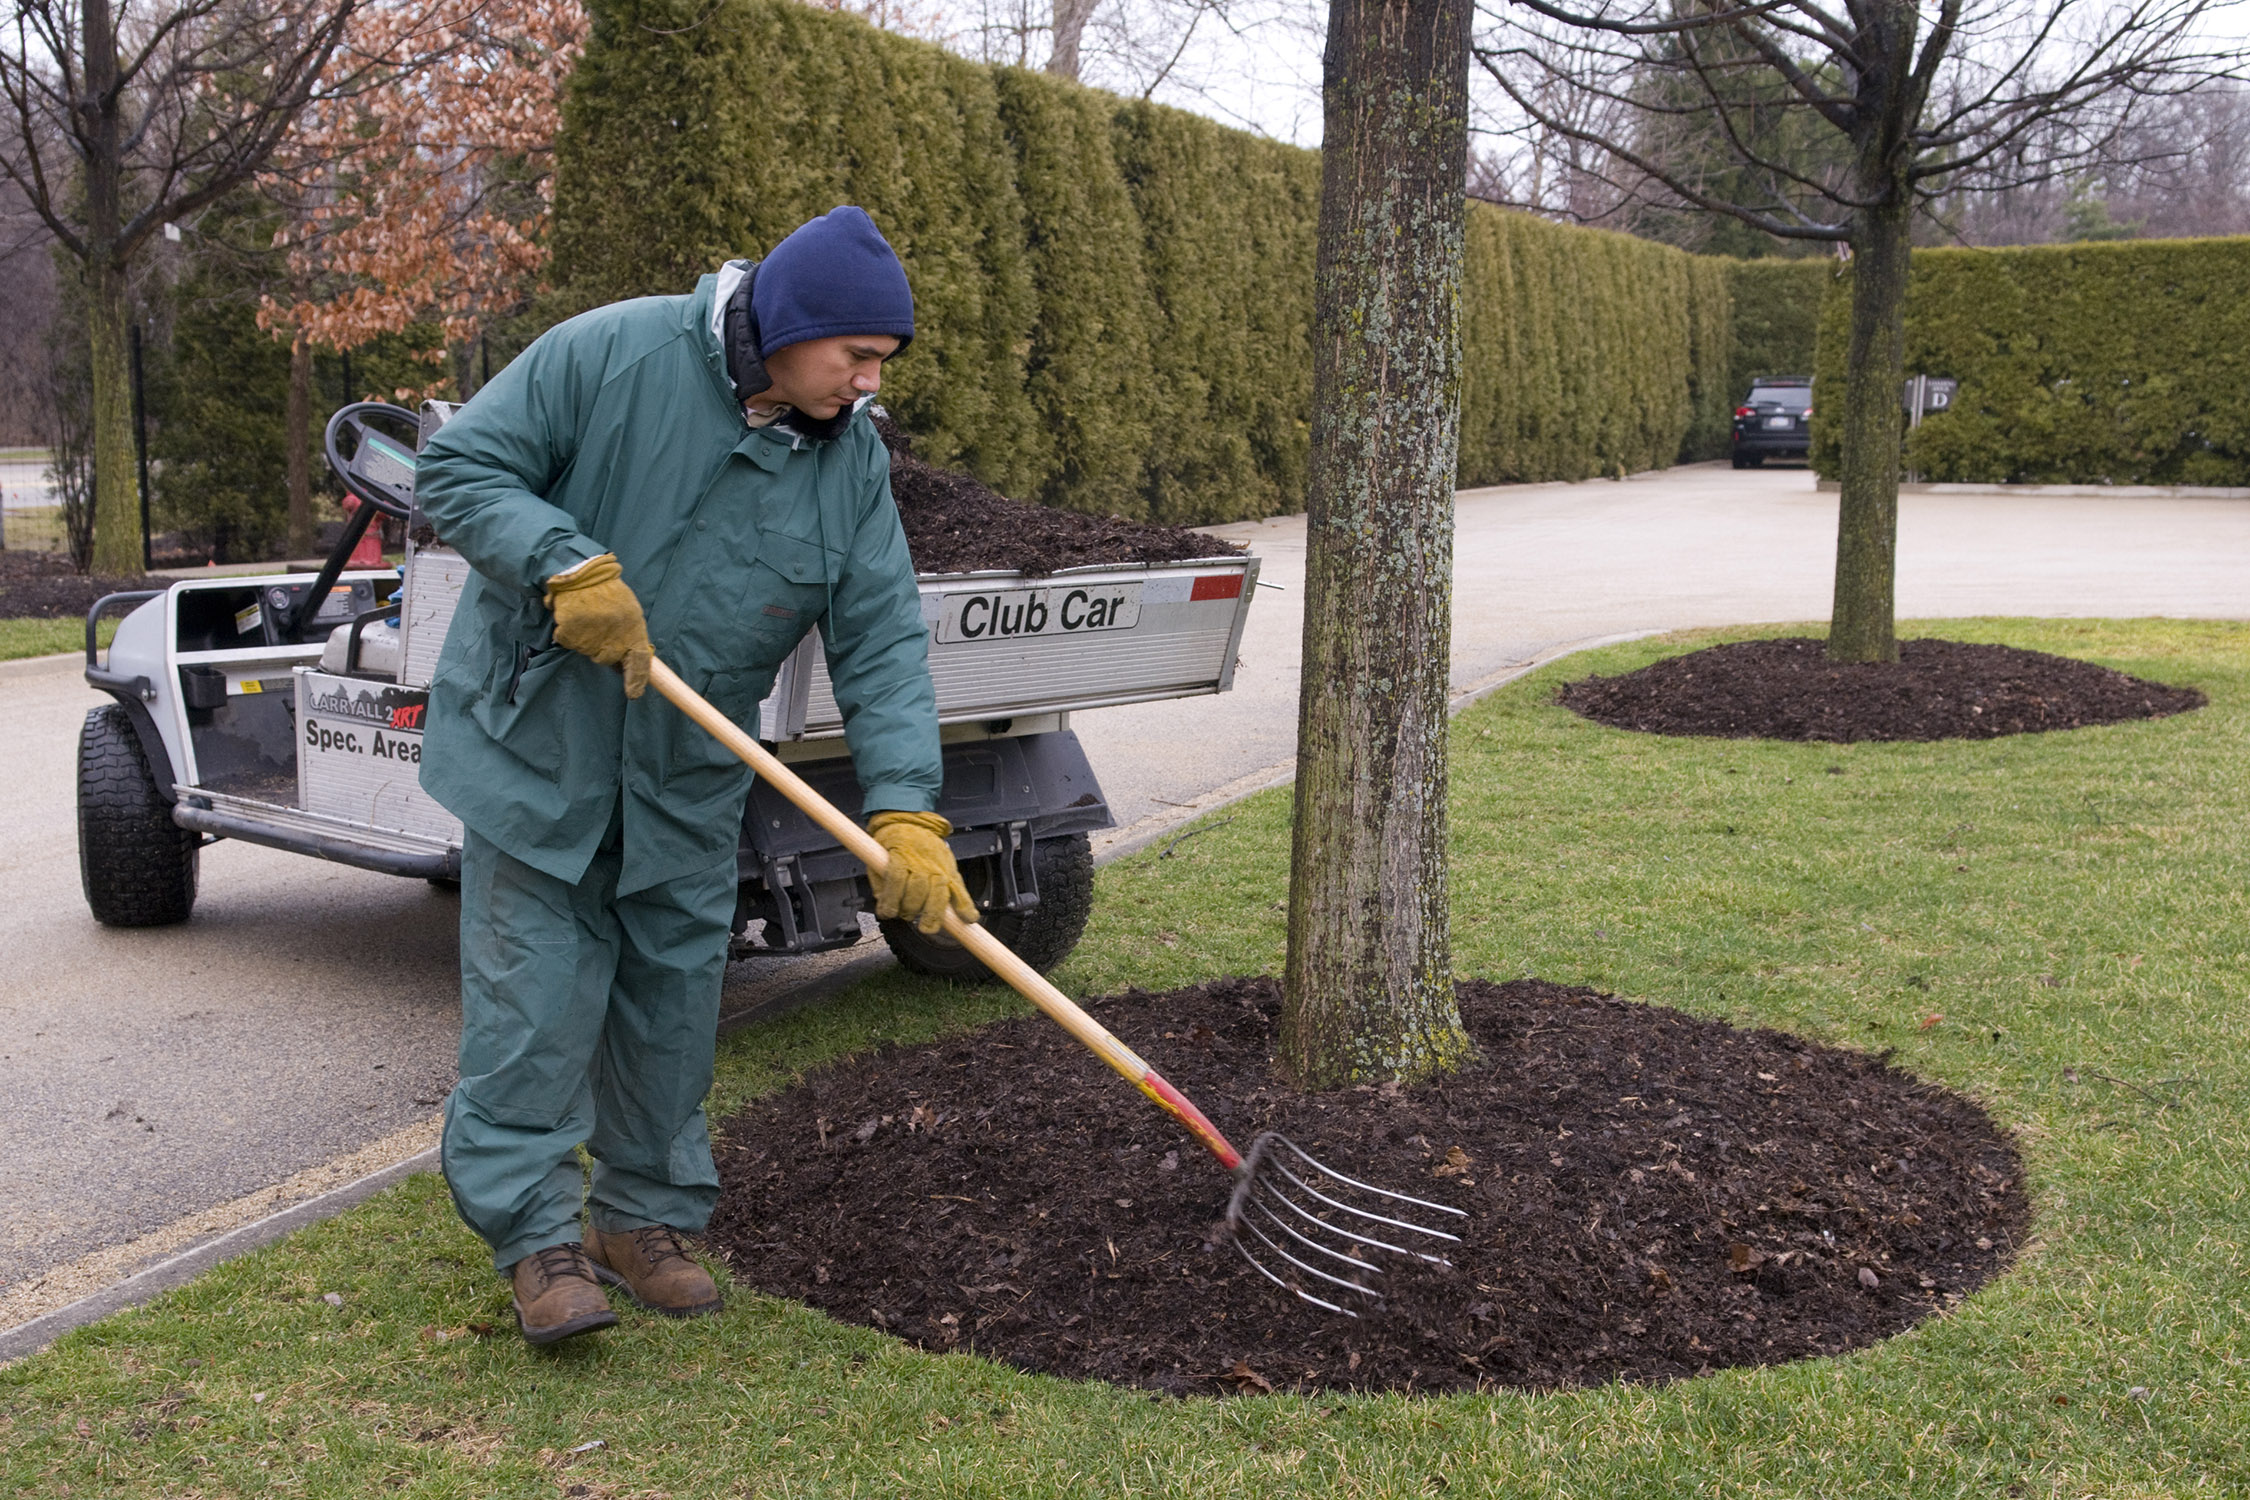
x,y
117,503
117,528
1863,625
1369,983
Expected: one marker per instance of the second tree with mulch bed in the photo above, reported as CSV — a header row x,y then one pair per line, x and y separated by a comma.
x,y
1788,689
1650,1195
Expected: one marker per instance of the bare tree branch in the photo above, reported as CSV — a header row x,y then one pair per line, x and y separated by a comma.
x,y
1869,74
1671,26
1649,166
127,115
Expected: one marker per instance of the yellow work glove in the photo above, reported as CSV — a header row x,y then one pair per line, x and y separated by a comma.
x,y
597,616
921,879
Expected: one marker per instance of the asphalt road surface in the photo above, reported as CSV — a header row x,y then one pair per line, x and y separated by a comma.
x,y
309,1009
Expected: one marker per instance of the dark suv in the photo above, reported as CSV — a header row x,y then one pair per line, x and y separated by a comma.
x,y
1774,420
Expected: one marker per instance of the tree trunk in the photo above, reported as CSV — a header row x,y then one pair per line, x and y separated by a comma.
x,y
462,355
1862,621
299,439
117,501
1070,18
1369,982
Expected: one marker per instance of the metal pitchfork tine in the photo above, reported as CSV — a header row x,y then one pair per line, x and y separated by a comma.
x,y
1255,1187
1256,1191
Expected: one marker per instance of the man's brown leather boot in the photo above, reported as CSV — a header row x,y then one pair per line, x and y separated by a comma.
x,y
655,1268
557,1295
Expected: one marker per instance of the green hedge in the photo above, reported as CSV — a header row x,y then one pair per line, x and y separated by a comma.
x,y
2116,363
1586,352
1115,298
218,390
1776,317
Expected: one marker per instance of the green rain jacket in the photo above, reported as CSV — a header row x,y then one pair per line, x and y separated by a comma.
x,y
618,431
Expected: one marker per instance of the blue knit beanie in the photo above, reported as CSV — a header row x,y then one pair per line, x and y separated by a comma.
x,y
833,275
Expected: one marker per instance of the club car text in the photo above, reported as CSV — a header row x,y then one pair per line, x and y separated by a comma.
x,y
1013,613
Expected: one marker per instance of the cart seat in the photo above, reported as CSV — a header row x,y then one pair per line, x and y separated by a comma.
x,y
378,655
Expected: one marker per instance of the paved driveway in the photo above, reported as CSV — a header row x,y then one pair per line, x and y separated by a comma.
x,y
1542,568
308,1010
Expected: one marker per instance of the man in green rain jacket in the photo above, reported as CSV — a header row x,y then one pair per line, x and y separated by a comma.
x,y
694,476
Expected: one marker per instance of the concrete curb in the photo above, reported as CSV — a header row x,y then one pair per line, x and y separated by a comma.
x,y
177,1270
1135,837
1492,682
18,664
845,968
2062,491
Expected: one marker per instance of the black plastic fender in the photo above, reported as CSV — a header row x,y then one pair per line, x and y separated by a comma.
x,y
132,693
1043,780
152,743
1002,796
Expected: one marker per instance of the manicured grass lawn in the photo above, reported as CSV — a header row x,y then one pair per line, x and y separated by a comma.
x,y
21,638
2055,923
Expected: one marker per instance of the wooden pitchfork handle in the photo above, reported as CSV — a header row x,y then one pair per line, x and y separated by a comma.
x,y
996,955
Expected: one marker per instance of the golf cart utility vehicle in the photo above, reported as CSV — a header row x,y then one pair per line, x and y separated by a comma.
x,y
287,711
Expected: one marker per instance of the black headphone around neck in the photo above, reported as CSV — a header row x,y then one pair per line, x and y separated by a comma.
x,y
745,367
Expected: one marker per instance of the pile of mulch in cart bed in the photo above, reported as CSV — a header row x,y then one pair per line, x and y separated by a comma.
x,y
44,586
954,524
1787,689
1650,1195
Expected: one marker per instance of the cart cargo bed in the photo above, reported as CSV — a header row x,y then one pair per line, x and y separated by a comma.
x,y
1003,644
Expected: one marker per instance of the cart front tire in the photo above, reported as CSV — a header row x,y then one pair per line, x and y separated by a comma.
x,y
138,867
1042,937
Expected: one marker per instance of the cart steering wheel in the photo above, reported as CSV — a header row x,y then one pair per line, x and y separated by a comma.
x,y
373,466
379,473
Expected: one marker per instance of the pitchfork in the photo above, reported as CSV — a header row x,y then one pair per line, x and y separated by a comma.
x,y
1329,1227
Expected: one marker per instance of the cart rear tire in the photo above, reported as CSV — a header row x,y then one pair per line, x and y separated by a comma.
x,y
1042,937
138,867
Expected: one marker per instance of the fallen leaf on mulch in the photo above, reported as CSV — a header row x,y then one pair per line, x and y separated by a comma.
x,y
1243,1378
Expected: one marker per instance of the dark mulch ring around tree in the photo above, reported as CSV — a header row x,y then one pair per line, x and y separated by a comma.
x,y
44,586
955,524
1787,689
1651,1195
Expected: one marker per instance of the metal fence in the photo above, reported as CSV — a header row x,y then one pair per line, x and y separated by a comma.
x,y
30,520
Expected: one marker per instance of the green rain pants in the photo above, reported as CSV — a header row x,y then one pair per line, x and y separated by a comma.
x,y
585,1017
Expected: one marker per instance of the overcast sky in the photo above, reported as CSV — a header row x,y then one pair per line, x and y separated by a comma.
x,y
1252,63
1258,67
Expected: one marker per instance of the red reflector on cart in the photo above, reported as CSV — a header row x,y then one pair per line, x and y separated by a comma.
x,y
1217,586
